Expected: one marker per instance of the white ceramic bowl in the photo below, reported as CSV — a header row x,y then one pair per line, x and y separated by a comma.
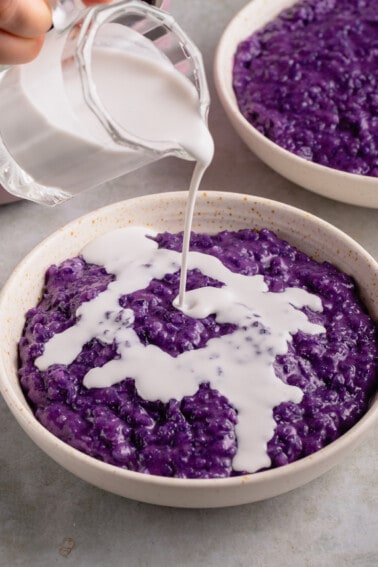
x,y
214,212
346,187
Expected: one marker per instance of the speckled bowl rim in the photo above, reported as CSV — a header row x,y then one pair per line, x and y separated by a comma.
x,y
191,493
339,185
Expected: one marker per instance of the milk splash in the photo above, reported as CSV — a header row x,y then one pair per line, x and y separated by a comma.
x,y
238,365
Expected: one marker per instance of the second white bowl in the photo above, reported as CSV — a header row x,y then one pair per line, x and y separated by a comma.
x,y
341,186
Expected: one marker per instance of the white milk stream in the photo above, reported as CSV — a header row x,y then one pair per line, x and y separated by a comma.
x,y
238,365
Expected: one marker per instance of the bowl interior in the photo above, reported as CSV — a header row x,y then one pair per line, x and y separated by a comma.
x,y
214,212
341,186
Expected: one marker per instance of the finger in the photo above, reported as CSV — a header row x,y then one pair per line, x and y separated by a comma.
x,y
15,50
25,18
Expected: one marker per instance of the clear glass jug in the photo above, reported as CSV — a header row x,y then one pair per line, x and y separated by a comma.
x,y
49,106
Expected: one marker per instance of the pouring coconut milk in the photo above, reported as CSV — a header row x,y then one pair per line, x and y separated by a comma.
x,y
102,99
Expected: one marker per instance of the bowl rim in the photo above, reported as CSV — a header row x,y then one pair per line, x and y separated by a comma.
x,y
227,97
31,426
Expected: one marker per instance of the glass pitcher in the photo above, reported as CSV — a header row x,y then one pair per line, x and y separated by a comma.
x,y
49,106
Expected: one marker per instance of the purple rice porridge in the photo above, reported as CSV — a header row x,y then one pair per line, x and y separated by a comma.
x,y
194,437
308,82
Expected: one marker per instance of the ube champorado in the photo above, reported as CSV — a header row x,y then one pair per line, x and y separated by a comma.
x,y
194,437
308,82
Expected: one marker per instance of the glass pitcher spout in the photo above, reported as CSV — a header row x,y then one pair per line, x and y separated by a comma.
x,y
106,96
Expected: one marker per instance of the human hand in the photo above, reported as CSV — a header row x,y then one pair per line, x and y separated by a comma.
x,y
23,24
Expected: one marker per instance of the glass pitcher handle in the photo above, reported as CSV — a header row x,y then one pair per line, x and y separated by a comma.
x,y
66,11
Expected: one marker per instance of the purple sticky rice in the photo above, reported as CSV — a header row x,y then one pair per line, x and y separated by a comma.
x,y
195,437
308,81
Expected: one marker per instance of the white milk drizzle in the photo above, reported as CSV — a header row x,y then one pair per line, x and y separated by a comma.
x,y
238,365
